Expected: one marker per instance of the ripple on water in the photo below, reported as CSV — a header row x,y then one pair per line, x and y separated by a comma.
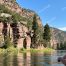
x,y
32,59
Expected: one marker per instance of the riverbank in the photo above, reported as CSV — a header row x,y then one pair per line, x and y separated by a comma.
x,y
16,50
45,50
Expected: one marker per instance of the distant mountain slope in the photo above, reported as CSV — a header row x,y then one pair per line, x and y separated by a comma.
x,y
57,36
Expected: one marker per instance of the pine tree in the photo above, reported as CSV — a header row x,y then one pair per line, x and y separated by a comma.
x,y
64,45
35,30
35,25
61,46
58,46
47,35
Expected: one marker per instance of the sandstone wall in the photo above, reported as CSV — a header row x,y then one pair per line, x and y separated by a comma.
x,y
19,36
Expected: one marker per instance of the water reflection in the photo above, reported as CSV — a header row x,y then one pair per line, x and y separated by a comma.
x,y
38,59
14,61
31,59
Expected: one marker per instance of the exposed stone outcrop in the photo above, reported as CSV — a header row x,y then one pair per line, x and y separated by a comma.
x,y
18,32
23,36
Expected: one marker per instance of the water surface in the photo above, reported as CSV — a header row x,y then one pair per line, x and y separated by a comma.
x,y
31,59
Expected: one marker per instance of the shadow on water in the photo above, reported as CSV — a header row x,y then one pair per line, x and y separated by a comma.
x,y
31,59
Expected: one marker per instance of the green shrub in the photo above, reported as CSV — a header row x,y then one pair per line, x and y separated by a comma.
x,y
12,50
15,16
8,43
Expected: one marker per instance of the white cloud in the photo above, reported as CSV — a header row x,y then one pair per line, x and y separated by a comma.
x,y
63,28
43,9
51,20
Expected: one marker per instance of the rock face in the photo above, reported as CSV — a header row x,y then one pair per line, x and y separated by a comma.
x,y
18,32
23,37
57,36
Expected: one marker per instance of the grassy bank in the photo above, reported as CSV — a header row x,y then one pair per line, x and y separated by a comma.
x,y
45,50
9,50
16,51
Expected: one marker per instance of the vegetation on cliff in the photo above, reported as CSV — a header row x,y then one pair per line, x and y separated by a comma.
x,y
15,16
35,29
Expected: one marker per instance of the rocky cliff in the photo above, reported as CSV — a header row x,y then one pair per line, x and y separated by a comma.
x,y
16,23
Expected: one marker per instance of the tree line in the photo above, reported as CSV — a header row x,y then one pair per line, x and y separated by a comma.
x,y
46,35
61,46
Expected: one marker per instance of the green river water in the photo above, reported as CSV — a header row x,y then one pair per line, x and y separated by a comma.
x,y
31,59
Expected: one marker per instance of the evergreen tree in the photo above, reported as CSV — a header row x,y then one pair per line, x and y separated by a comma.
x,y
35,31
64,45
47,35
35,24
58,46
61,46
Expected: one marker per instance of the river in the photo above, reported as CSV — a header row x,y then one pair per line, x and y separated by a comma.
x,y
31,59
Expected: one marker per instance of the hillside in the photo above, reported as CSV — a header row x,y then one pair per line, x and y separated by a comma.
x,y
58,36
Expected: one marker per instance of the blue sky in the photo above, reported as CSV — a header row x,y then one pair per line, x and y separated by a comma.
x,y
52,12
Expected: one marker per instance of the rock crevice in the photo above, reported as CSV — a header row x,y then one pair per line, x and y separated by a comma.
x,y
17,34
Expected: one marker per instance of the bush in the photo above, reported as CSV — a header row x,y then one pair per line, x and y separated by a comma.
x,y
12,50
15,16
8,43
